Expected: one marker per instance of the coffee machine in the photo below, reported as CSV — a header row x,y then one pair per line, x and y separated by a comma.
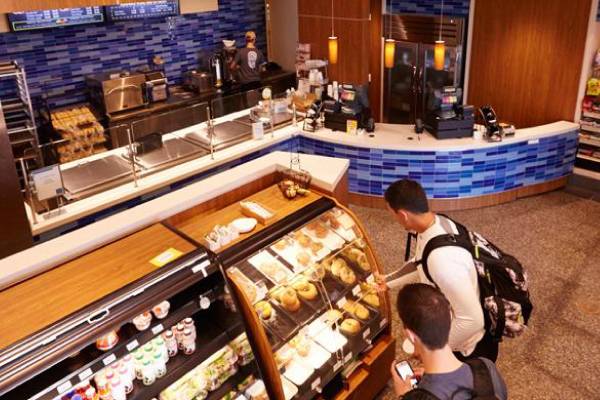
x,y
217,67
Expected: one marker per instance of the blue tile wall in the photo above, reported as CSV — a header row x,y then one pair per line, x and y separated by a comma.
x,y
452,174
458,8
56,60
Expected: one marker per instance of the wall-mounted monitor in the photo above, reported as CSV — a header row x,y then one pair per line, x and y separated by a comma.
x,y
148,9
30,20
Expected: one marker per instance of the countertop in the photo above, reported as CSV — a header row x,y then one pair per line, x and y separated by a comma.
x,y
184,98
403,137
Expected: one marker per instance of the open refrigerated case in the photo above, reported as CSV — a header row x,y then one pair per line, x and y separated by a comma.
x,y
118,324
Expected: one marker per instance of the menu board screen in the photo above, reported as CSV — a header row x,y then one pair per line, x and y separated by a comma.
x,y
25,21
148,9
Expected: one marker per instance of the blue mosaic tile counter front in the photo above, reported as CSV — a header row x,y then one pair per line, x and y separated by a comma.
x,y
454,174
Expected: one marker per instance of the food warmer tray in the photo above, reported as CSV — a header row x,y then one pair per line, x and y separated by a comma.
x,y
96,175
226,134
278,119
171,151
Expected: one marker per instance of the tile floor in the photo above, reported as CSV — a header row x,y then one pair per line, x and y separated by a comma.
x,y
557,238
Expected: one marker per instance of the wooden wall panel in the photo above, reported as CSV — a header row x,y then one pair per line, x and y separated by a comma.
x,y
357,23
526,58
351,25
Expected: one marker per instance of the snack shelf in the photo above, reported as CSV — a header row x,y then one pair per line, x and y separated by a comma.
x,y
207,343
74,370
232,383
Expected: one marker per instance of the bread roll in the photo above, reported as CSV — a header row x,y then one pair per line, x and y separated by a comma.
x,y
303,258
264,310
305,289
371,299
347,276
289,299
350,326
357,309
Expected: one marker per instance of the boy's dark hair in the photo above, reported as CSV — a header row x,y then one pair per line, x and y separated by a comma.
x,y
408,195
424,310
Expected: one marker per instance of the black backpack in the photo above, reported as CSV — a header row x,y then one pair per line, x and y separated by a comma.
x,y
483,387
503,282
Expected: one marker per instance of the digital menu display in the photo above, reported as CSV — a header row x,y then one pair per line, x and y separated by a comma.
x,y
149,9
25,21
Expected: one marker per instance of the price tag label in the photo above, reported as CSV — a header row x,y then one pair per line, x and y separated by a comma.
x,y
341,302
366,333
348,357
85,374
371,279
157,329
316,383
132,345
201,267
337,365
63,387
166,257
383,323
356,291
109,359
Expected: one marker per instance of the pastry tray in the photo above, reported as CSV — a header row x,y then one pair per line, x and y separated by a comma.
x,y
347,229
360,273
258,261
332,240
304,314
290,252
283,326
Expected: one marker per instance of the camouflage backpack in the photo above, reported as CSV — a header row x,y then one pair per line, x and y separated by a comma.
x,y
503,283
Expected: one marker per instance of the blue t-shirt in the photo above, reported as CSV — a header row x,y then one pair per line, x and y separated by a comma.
x,y
456,385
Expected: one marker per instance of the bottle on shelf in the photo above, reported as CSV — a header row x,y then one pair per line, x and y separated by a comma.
x,y
171,343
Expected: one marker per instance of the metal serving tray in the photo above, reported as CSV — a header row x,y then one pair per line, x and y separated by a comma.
x,y
226,134
95,173
171,151
278,119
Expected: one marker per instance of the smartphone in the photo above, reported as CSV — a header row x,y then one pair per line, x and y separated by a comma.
x,y
404,370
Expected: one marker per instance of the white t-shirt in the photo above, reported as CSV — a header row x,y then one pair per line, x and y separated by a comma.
x,y
452,269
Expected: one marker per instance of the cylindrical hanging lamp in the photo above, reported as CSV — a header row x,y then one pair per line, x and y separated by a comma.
x,y
333,49
439,51
389,52
389,49
439,55
333,42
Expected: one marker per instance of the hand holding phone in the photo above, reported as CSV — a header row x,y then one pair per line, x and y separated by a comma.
x,y
405,371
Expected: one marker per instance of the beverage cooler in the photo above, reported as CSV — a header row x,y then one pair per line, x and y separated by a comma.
x,y
413,76
286,311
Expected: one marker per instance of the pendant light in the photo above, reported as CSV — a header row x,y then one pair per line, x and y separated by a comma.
x,y
389,48
439,50
333,42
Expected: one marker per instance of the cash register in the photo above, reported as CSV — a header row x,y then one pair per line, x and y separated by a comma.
x,y
446,117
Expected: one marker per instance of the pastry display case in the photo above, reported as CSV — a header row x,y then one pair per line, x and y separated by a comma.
x,y
315,302
304,282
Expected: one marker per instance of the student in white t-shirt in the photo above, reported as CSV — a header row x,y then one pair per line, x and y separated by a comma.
x,y
450,267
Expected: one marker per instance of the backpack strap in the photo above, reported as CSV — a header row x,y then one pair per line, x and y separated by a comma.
x,y
419,394
462,239
483,386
